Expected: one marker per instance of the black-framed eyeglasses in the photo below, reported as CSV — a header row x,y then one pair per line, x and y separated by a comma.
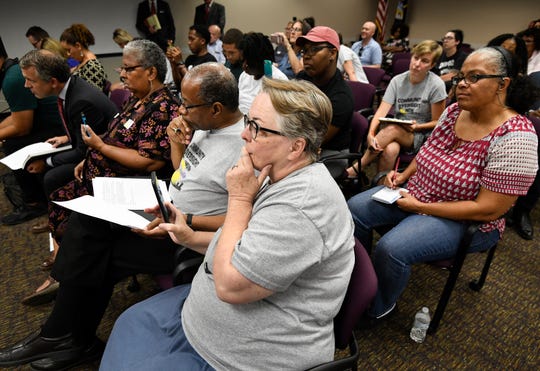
x,y
473,78
254,128
187,108
312,50
129,69
447,38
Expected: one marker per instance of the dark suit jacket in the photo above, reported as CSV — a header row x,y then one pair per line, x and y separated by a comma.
x,y
215,16
168,30
98,109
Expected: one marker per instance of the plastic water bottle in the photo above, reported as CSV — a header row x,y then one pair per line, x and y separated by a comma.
x,y
420,325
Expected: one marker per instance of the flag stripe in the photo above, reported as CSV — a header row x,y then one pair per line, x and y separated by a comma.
x,y
380,21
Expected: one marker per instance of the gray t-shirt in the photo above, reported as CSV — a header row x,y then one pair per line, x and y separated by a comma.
x,y
299,244
413,102
198,186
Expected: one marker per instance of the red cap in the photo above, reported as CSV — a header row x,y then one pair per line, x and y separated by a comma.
x,y
320,34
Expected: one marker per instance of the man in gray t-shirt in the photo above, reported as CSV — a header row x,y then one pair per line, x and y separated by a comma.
x,y
96,254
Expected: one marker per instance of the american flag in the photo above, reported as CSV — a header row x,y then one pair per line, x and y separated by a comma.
x,y
380,21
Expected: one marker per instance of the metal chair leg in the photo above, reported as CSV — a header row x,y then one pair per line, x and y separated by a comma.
x,y
478,284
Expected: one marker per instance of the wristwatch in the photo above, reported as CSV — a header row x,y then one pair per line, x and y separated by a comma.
x,y
189,220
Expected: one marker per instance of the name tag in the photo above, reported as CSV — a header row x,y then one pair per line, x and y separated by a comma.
x,y
128,123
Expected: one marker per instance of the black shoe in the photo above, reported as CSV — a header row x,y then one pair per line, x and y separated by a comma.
x,y
523,225
35,347
23,214
367,322
69,360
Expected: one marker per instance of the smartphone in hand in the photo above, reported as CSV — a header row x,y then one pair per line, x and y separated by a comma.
x,y
276,39
159,196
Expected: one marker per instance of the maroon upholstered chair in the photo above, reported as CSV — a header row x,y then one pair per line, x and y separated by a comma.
x,y
364,96
360,293
119,97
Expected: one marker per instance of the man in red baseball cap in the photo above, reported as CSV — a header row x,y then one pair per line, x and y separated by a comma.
x,y
320,48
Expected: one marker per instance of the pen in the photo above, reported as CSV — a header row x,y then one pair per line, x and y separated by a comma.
x,y
395,172
83,118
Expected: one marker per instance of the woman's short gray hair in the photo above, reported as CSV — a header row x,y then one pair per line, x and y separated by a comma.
x,y
304,111
148,54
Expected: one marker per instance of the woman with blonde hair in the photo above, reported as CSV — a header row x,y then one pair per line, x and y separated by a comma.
x,y
121,37
418,95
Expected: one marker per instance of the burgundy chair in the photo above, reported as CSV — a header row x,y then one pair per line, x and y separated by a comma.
x,y
374,75
454,266
119,97
401,55
377,78
359,127
364,96
360,293
400,66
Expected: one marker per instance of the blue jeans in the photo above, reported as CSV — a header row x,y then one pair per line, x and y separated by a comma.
x,y
413,239
149,336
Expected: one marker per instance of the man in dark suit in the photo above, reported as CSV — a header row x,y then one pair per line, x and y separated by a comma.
x,y
48,75
31,120
167,33
210,13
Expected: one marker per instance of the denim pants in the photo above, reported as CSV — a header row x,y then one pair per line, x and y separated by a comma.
x,y
413,239
149,336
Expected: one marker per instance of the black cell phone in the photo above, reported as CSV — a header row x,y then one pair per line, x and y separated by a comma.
x,y
159,196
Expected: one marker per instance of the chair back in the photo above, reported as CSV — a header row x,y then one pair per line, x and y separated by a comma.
x,y
400,66
359,128
363,94
119,97
360,293
374,75
401,55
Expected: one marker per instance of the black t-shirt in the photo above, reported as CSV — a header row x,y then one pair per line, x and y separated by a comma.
x,y
194,60
341,97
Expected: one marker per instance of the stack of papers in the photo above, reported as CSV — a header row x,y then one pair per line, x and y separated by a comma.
x,y
114,198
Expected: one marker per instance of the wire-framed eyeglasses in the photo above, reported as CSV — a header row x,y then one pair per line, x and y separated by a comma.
x,y
473,78
254,128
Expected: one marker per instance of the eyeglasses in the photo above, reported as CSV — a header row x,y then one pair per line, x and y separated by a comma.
x,y
254,128
296,29
473,78
448,38
129,69
187,108
312,50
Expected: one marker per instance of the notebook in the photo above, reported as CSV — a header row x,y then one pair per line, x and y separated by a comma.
x,y
388,195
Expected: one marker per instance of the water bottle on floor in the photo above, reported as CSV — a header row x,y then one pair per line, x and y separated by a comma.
x,y
420,325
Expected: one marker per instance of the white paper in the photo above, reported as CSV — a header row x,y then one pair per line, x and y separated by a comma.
x,y
128,193
97,208
17,160
388,195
